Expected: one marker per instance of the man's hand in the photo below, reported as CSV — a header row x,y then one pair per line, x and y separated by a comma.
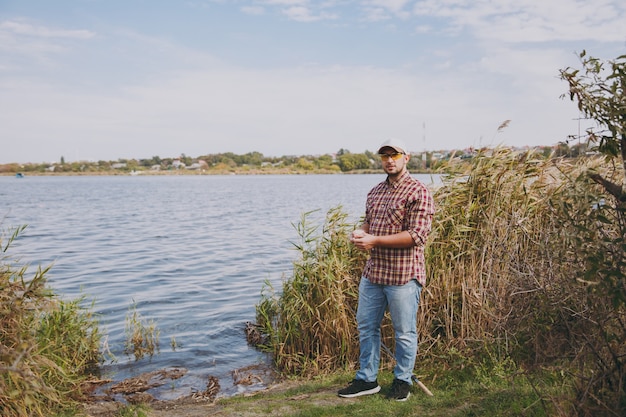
x,y
362,240
366,242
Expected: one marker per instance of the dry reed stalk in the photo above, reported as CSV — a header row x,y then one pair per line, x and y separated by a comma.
x,y
526,258
481,243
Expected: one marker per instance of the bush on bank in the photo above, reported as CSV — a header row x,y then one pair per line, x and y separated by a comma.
x,y
526,259
48,347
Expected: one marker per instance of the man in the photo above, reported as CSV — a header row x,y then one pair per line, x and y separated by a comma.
x,y
398,219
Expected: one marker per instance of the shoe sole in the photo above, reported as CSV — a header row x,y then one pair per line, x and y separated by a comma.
x,y
402,399
361,393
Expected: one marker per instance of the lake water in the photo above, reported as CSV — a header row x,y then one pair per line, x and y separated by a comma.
x,y
190,253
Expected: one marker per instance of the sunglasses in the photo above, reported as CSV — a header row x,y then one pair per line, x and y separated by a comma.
x,y
394,156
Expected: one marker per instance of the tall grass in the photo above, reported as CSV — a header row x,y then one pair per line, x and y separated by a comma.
x,y
526,265
526,258
310,324
493,245
48,347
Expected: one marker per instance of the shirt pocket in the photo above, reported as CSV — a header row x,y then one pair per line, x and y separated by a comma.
x,y
395,215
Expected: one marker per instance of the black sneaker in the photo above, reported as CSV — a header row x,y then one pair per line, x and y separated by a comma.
x,y
400,390
359,387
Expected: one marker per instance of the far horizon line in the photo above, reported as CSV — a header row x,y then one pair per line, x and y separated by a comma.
x,y
184,155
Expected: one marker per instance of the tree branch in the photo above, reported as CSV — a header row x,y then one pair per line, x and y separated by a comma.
x,y
611,187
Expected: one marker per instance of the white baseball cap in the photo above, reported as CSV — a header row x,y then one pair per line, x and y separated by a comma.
x,y
395,144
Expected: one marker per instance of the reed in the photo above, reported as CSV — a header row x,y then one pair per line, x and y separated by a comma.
x,y
48,347
311,324
142,335
527,260
491,223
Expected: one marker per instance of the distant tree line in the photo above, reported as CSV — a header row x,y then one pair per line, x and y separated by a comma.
x,y
342,161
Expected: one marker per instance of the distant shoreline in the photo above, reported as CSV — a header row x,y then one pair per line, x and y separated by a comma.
x,y
206,172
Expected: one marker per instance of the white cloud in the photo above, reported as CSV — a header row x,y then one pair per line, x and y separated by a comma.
x,y
304,14
395,6
376,14
27,29
531,20
253,10
299,13
286,2
25,46
303,10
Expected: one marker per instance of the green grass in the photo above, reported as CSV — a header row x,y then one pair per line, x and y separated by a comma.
x,y
460,393
133,411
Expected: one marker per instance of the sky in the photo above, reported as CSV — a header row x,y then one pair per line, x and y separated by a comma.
x,y
90,80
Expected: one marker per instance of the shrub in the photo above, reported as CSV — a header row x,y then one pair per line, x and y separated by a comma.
x,y
48,347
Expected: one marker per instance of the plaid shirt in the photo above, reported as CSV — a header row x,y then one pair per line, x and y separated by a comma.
x,y
390,209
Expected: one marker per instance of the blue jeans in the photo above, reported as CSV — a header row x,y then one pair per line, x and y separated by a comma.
x,y
402,301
